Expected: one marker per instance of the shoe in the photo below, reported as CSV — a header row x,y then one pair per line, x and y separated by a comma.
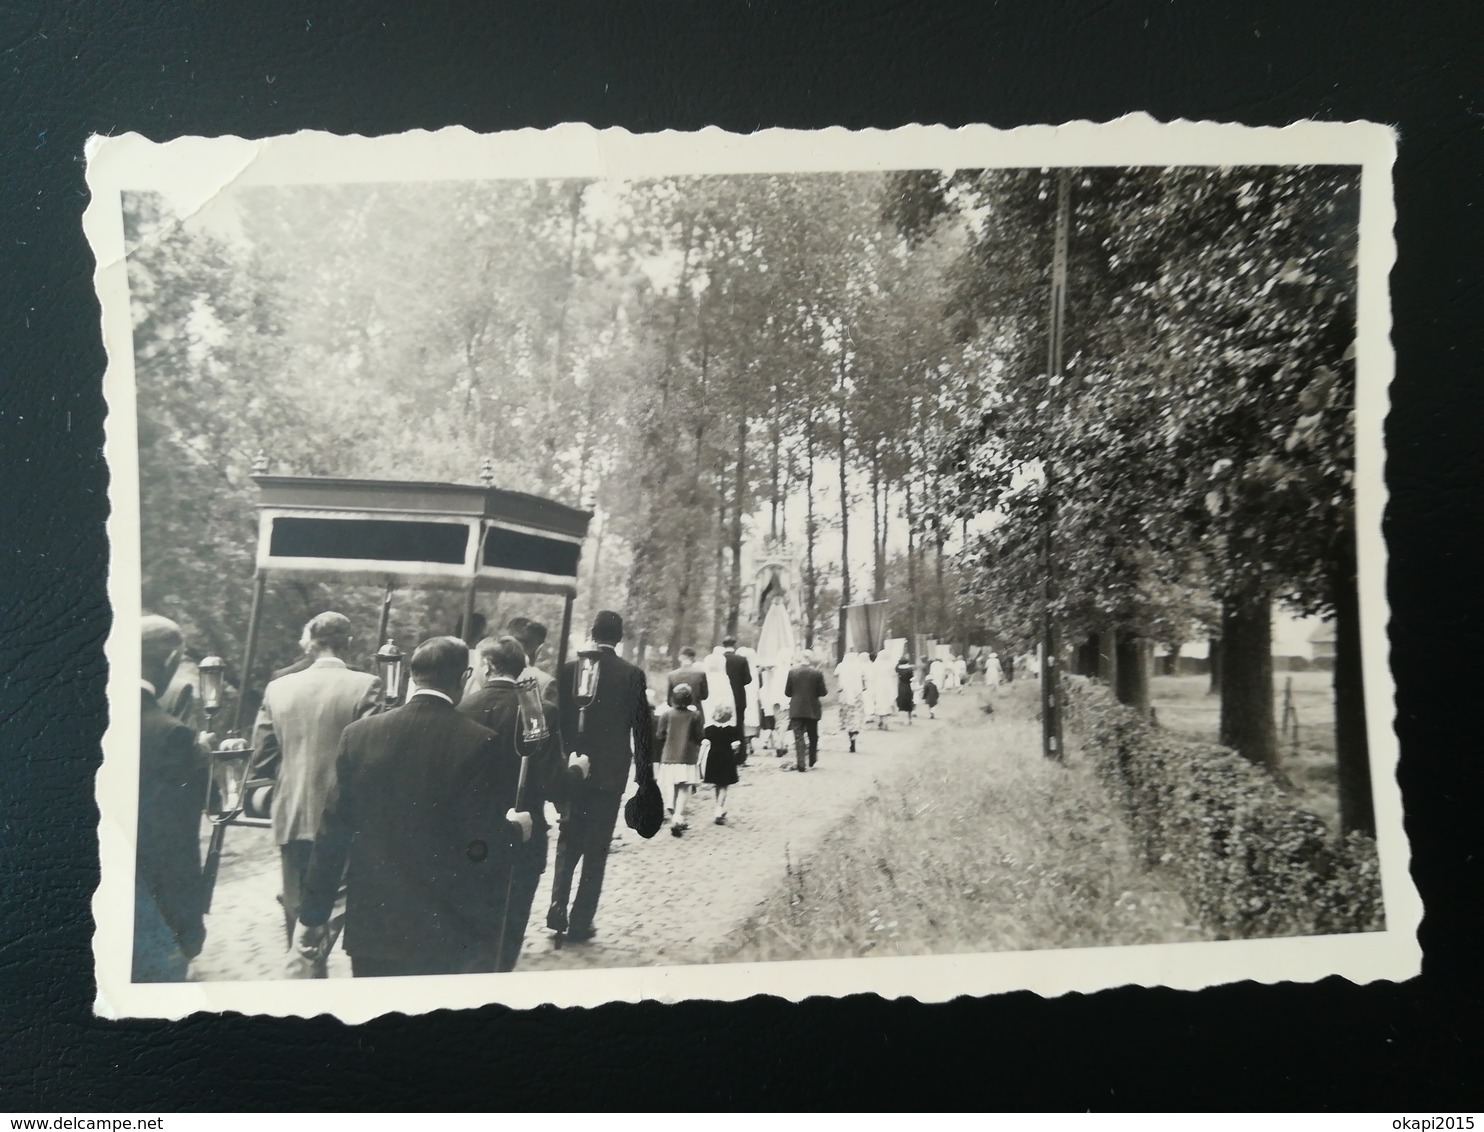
x,y
581,935
720,819
677,830
556,920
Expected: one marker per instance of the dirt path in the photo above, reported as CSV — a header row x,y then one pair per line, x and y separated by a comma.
x,y
665,901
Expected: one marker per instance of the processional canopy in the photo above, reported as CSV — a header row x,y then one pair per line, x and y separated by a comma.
x,y
400,532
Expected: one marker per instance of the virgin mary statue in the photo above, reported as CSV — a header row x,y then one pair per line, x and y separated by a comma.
x,y
775,653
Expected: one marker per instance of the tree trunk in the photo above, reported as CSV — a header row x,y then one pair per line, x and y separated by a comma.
x,y
689,523
775,437
739,495
809,579
911,568
1352,748
1213,652
844,496
878,567
1247,678
719,584
1132,679
940,614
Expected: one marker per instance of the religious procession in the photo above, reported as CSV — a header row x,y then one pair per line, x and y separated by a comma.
x,y
539,574
416,808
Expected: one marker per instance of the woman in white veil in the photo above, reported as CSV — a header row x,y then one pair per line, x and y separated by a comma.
x,y
881,687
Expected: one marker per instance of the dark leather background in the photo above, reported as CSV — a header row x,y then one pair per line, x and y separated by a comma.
x,y
72,69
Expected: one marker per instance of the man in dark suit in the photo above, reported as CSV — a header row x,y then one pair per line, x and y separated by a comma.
x,y
615,733
804,689
693,676
739,675
421,823
548,777
169,898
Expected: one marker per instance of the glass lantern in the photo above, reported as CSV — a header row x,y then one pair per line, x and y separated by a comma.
x,y
587,676
229,766
532,711
389,668
212,670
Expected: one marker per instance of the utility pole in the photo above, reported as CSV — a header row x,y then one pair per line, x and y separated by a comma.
x,y
1051,705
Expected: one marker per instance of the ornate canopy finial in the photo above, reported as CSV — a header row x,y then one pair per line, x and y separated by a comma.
x,y
260,463
487,472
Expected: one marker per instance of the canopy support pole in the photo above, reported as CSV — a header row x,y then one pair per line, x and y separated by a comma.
x,y
468,623
566,633
386,616
260,580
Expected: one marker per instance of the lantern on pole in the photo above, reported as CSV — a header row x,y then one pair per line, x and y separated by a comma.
x,y
212,670
389,668
587,684
532,712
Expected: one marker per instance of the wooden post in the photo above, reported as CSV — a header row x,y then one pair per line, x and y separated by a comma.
x,y
260,580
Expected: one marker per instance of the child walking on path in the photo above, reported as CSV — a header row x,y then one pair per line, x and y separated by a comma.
x,y
720,769
723,731
679,737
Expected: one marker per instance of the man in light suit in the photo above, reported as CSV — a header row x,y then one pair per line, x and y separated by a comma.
x,y
300,721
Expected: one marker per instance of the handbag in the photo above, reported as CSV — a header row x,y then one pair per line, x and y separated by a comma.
x,y
644,813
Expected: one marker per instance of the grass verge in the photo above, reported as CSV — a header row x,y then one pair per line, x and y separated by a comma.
x,y
983,846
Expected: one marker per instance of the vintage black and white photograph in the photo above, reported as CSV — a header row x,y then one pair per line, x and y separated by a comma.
x,y
582,566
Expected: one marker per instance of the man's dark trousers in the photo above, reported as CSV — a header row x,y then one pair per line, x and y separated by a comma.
x,y
587,829
805,729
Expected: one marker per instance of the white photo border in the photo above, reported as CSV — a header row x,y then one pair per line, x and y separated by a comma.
x,y
195,170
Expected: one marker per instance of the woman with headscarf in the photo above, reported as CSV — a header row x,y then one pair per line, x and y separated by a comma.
x,y
881,685
851,674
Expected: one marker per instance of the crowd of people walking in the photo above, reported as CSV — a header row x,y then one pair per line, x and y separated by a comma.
x,y
419,833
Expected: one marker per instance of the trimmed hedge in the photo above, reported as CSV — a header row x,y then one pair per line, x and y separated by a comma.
x,y
1248,862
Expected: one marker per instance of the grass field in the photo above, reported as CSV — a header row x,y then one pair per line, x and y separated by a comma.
x,y
984,846
1183,705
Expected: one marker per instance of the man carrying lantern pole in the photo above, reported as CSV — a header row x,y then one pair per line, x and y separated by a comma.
x,y
605,715
511,706
303,715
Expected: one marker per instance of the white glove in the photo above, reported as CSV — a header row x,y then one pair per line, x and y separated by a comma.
x,y
311,942
522,819
580,762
